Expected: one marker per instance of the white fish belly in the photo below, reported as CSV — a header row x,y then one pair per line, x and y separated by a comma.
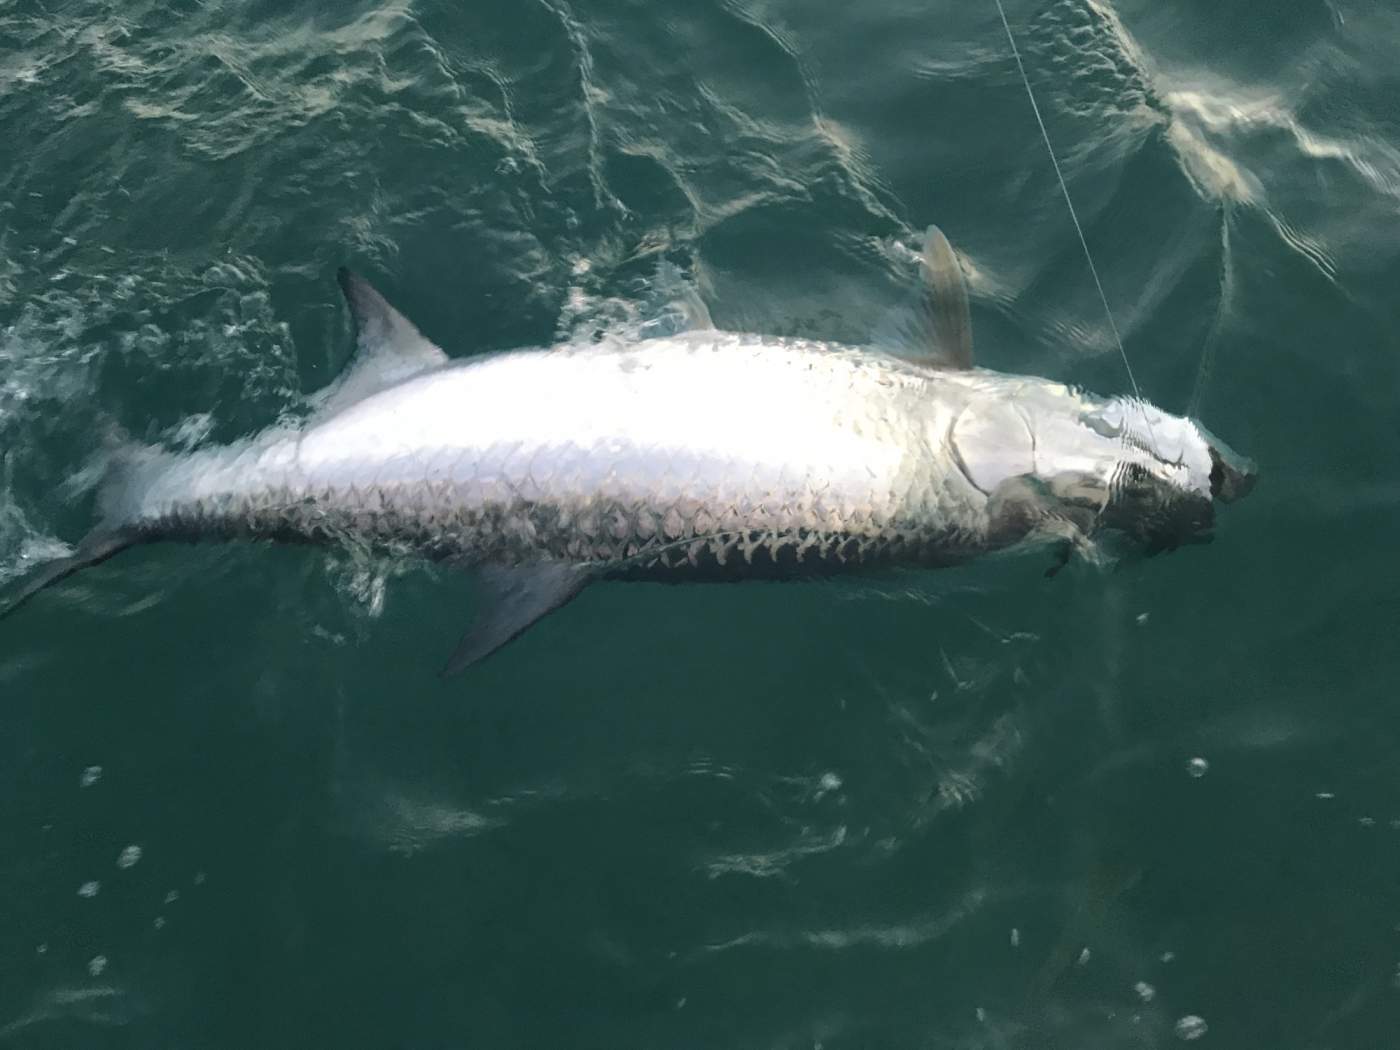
x,y
707,451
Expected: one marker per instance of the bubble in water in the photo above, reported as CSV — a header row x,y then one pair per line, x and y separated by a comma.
x,y
1145,991
199,878
41,949
1142,619
90,776
826,784
1190,1027
1084,957
128,857
1015,937
159,923
172,896
89,889
1197,767
97,964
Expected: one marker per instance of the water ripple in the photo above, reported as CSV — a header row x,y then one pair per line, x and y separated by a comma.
x,y
891,936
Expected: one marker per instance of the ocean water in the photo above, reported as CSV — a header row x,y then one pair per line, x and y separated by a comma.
x,y
1128,807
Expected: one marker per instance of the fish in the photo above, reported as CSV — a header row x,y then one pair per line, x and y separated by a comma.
x,y
702,455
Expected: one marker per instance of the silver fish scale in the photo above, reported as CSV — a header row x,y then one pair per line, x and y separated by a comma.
x,y
838,460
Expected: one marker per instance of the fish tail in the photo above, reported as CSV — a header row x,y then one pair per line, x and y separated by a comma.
x,y
117,467
96,547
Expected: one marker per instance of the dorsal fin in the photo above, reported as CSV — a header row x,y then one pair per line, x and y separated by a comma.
x,y
947,300
388,347
937,330
693,309
674,305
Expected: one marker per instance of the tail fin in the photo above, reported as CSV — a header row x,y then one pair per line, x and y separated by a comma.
x,y
115,465
96,547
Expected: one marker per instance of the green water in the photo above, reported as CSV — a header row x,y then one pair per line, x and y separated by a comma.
x,y
966,811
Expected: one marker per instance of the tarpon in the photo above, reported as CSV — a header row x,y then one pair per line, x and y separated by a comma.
x,y
704,455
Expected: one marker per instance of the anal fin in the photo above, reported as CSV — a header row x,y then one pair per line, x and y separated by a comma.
x,y
512,599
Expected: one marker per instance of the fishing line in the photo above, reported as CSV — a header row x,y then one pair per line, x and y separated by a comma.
x,y
1064,188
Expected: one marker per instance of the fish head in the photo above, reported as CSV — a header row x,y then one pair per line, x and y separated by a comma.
x,y
1165,473
1053,460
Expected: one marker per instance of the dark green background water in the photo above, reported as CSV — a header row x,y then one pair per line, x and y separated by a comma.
x,y
959,814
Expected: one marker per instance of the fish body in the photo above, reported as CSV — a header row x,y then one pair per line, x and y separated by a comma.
x,y
702,455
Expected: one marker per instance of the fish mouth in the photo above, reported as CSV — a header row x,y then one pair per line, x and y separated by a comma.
x,y
1232,476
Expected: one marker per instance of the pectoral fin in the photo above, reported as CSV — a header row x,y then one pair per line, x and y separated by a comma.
x,y
510,602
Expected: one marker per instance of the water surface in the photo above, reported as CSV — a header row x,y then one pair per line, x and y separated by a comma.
x,y
971,809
